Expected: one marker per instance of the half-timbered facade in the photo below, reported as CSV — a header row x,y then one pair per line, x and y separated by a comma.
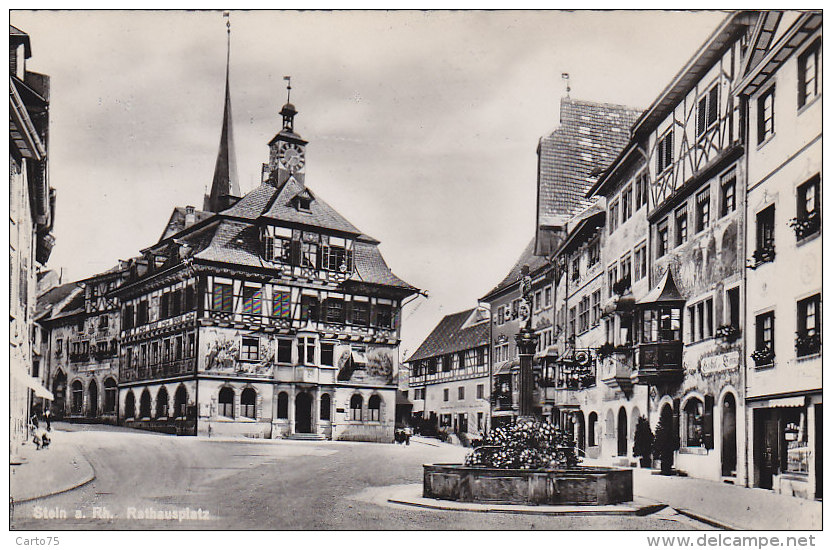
x,y
268,315
685,330
449,374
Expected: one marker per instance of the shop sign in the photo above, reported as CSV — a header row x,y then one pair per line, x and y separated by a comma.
x,y
719,363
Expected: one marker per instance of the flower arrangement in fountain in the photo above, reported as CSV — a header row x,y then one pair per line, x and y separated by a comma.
x,y
525,445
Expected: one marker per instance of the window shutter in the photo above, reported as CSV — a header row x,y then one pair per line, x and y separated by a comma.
x,y
296,252
709,422
676,410
713,104
701,114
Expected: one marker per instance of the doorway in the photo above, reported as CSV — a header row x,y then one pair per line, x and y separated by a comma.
x,y
818,452
770,451
303,413
59,391
622,432
93,408
729,436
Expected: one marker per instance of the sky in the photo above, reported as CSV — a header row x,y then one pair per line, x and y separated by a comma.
x,y
422,126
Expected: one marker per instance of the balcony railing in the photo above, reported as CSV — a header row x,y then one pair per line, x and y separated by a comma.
x,y
79,357
163,370
658,363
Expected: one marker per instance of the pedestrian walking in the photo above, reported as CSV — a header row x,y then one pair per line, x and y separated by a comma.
x,y
47,416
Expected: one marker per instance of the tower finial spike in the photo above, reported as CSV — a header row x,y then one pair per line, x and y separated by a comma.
x,y
288,80
565,76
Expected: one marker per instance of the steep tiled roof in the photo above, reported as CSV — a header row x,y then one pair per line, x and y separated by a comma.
x,y
254,203
449,336
526,258
176,222
268,202
235,243
320,214
370,267
53,297
588,139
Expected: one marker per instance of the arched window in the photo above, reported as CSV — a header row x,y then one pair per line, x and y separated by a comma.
x,y
180,401
592,428
248,403
283,405
110,394
356,402
130,405
77,397
374,408
227,402
144,405
162,403
326,405
694,423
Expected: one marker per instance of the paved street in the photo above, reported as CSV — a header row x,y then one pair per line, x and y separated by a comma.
x,y
269,485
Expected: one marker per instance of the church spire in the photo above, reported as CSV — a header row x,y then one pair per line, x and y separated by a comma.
x,y
225,187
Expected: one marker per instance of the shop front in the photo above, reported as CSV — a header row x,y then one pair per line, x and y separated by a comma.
x,y
788,441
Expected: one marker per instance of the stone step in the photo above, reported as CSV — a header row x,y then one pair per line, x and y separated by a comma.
x,y
307,437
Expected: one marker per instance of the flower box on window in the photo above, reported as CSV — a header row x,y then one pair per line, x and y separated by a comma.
x,y
764,255
621,286
763,356
807,344
728,332
806,226
605,350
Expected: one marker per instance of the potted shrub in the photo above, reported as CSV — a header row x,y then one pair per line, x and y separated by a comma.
x,y
643,442
665,444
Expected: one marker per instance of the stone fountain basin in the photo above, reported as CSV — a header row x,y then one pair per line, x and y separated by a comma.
x,y
580,485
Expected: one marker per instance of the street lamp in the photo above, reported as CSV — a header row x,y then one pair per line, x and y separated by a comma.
x,y
526,341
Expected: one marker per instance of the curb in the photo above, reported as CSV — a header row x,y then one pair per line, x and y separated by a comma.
x,y
708,520
59,491
83,481
569,511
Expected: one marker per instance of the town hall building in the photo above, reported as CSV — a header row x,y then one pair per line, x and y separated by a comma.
x,y
266,315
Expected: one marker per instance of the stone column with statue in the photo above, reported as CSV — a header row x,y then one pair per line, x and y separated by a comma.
x,y
526,341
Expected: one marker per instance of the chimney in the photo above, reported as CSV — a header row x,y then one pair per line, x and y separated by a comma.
x,y
190,215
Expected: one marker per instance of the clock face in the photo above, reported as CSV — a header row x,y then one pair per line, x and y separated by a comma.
x,y
291,157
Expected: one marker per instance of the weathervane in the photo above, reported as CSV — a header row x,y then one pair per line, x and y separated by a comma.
x,y
288,80
565,76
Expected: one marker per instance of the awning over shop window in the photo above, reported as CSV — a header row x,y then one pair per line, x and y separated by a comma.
x,y
505,366
551,351
359,358
783,402
30,382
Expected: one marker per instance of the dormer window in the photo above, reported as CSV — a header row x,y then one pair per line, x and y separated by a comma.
x,y
303,200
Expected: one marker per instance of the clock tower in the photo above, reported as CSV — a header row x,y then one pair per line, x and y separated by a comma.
x,y
287,150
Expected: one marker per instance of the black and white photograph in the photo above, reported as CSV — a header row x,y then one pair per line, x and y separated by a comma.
x,y
417,270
